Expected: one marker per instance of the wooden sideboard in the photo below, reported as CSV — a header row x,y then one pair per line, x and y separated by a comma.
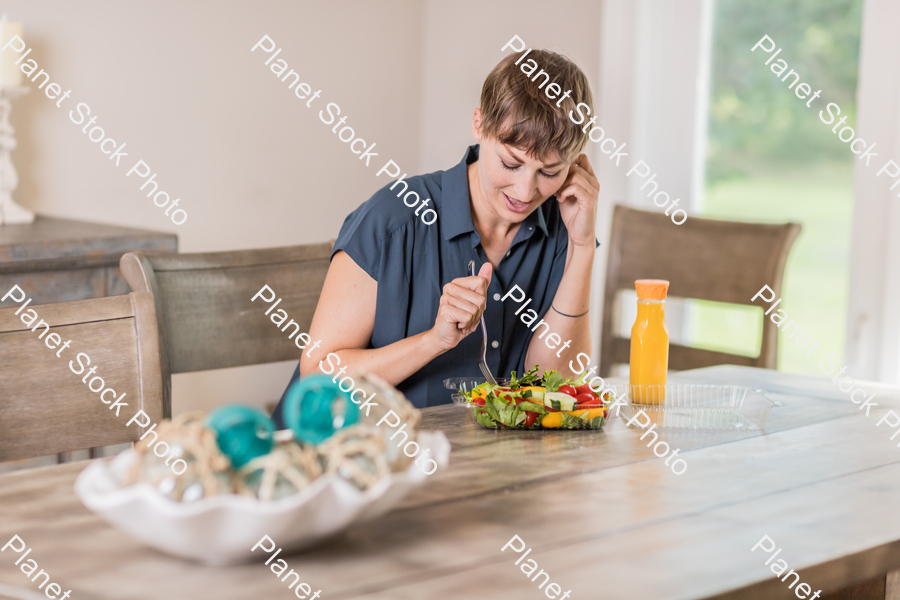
x,y
58,260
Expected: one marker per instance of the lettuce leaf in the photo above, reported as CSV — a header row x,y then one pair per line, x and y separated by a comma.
x,y
482,386
484,419
532,407
581,379
529,378
511,416
490,409
553,381
500,411
571,422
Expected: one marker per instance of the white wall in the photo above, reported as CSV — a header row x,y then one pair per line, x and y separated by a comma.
x,y
653,90
654,84
252,165
669,82
873,320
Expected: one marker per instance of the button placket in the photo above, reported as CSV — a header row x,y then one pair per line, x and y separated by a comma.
x,y
493,315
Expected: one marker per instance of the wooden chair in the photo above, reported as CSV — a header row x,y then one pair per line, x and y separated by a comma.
x,y
724,261
203,304
45,407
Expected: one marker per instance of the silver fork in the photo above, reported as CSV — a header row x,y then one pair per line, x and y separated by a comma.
x,y
482,361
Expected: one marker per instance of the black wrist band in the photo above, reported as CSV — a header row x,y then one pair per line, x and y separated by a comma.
x,y
571,316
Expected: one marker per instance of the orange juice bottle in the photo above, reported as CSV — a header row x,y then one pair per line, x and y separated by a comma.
x,y
649,343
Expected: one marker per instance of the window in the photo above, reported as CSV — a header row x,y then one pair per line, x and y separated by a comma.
x,y
771,159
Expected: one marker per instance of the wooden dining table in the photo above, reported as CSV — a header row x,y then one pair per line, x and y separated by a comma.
x,y
603,516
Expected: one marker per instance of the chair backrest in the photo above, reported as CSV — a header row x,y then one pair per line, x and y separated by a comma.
x,y
203,304
45,407
724,261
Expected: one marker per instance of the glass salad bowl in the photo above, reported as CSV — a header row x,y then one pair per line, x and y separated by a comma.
x,y
510,409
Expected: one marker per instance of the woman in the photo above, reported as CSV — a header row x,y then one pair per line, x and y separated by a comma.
x,y
398,300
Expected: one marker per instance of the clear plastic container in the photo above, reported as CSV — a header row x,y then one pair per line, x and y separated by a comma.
x,y
592,418
712,407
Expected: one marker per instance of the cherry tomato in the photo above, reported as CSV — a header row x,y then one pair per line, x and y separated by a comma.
x,y
568,389
586,389
530,418
594,403
585,398
478,401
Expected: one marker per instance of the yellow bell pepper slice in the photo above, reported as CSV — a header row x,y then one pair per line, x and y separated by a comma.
x,y
552,420
592,412
480,393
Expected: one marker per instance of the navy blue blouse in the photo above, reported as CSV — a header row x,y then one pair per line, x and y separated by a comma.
x,y
411,262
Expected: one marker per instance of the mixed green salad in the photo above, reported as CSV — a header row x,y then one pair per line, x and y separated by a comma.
x,y
534,401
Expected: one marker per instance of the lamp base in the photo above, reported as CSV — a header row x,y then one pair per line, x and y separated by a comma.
x,y
10,212
13,214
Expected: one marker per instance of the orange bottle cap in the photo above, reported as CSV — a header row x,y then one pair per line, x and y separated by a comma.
x,y
651,289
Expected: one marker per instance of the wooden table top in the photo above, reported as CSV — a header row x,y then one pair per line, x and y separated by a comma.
x,y
51,242
604,517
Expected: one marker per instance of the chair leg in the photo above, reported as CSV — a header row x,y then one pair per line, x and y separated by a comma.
x,y
892,586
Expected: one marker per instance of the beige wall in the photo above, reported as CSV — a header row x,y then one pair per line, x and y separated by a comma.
x,y
177,82
252,165
462,42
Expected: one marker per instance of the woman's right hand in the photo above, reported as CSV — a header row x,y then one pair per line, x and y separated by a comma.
x,y
462,304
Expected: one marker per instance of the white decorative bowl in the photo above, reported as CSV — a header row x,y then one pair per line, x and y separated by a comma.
x,y
221,529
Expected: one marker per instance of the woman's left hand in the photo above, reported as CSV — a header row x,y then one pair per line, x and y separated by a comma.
x,y
578,202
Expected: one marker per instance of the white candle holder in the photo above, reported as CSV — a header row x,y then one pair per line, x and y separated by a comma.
x,y
10,212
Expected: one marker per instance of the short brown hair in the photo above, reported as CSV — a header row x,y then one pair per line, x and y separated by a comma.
x,y
517,111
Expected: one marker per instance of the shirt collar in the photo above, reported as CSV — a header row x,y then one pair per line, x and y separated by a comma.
x,y
456,213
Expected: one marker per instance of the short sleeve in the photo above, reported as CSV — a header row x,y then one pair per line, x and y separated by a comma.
x,y
364,231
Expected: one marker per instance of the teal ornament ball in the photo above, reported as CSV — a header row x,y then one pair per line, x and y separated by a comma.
x,y
243,433
315,408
